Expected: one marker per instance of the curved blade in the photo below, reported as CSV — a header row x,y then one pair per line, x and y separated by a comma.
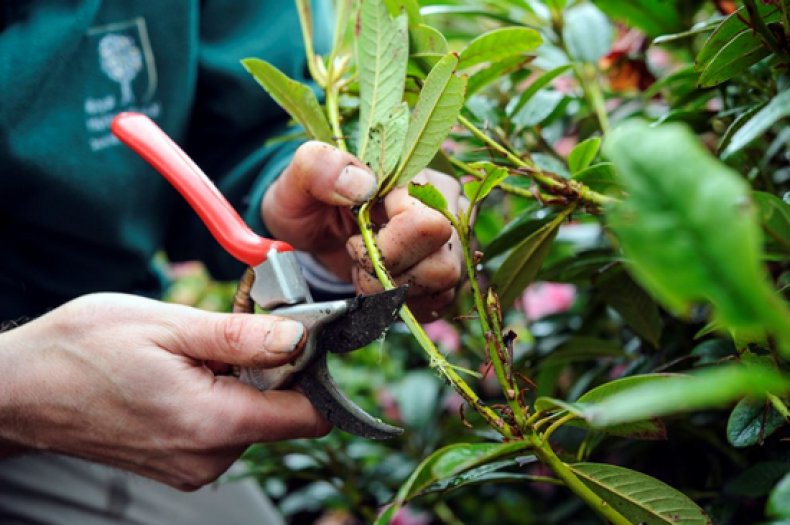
x,y
367,318
332,403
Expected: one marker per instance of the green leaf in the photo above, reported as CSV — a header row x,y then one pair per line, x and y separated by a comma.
x,y
434,114
600,177
583,154
733,59
382,49
587,33
524,262
386,141
708,388
777,109
655,17
691,237
448,462
294,97
778,505
538,109
498,44
758,480
538,84
751,421
739,121
427,46
628,299
493,175
410,7
639,497
428,195
494,72
729,28
775,219
512,234
417,394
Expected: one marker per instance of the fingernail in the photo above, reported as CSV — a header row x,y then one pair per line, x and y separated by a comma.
x,y
284,337
355,184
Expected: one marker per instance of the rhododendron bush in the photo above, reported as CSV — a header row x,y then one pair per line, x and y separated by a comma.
x,y
619,351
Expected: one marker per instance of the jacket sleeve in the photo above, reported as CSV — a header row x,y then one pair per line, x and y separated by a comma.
x,y
234,120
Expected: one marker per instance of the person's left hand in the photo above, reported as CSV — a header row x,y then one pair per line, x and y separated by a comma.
x,y
309,207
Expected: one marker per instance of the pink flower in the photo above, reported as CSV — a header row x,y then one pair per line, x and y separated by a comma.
x,y
444,335
406,516
545,298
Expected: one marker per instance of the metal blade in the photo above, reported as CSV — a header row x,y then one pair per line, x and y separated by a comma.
x,y
368,317
332,403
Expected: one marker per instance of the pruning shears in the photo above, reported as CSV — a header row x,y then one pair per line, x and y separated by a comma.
x,y
275,283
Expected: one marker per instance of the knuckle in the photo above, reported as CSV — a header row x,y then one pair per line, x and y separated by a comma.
x,y
230,331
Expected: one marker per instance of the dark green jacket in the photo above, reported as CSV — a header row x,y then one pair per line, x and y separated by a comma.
x,y
79,212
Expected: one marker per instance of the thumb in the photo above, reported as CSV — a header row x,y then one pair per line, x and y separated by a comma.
x,y
325,174
252,340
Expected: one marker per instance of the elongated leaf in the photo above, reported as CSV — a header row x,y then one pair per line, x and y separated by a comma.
x,y
425,40
691,237
386,142
628,299
739,121
498,44
478,190
728,29
294,97
655,17
448,462
751,421
775,218
538,84
523,264
777,109
538,109
759,479
709,388
483,474
512,234
600,177
737,55
587,33
639,497
583,154
410,7
494,72
382,48
778,505
428,195
434,114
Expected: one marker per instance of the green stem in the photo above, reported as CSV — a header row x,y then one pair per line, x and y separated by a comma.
x,y
557,424
587,75
546,455
508,188
553,185
306,24
333,110
436,359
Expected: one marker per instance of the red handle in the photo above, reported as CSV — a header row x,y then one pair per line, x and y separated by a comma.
x,y
147,140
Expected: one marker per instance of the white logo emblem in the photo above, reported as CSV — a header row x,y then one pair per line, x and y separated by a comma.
x,y
121,60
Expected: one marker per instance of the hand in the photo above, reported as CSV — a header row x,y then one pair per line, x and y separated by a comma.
x,y
121,380
308,207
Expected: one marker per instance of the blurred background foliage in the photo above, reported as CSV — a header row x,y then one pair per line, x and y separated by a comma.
x,y
719,67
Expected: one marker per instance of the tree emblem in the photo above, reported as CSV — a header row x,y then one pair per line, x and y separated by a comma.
x,y
121,60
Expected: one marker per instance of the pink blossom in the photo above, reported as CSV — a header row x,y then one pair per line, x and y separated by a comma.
x,y
444,335
407,516
545,298
565,144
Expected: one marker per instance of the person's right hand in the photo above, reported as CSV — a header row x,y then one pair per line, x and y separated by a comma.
x,y
121,380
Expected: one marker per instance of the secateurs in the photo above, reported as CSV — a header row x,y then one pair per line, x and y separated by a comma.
x,y
275,283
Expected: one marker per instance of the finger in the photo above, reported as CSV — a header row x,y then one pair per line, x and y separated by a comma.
x,y
407,238
427,308
267,416
254,340
324,174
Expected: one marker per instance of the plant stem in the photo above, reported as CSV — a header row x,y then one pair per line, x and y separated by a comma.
x,y
306,24
333,111
436,359
545,453
566,188
557,424
587,75
508,188
759,26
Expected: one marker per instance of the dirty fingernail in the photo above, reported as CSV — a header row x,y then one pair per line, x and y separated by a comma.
x,y
355,184
284,337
